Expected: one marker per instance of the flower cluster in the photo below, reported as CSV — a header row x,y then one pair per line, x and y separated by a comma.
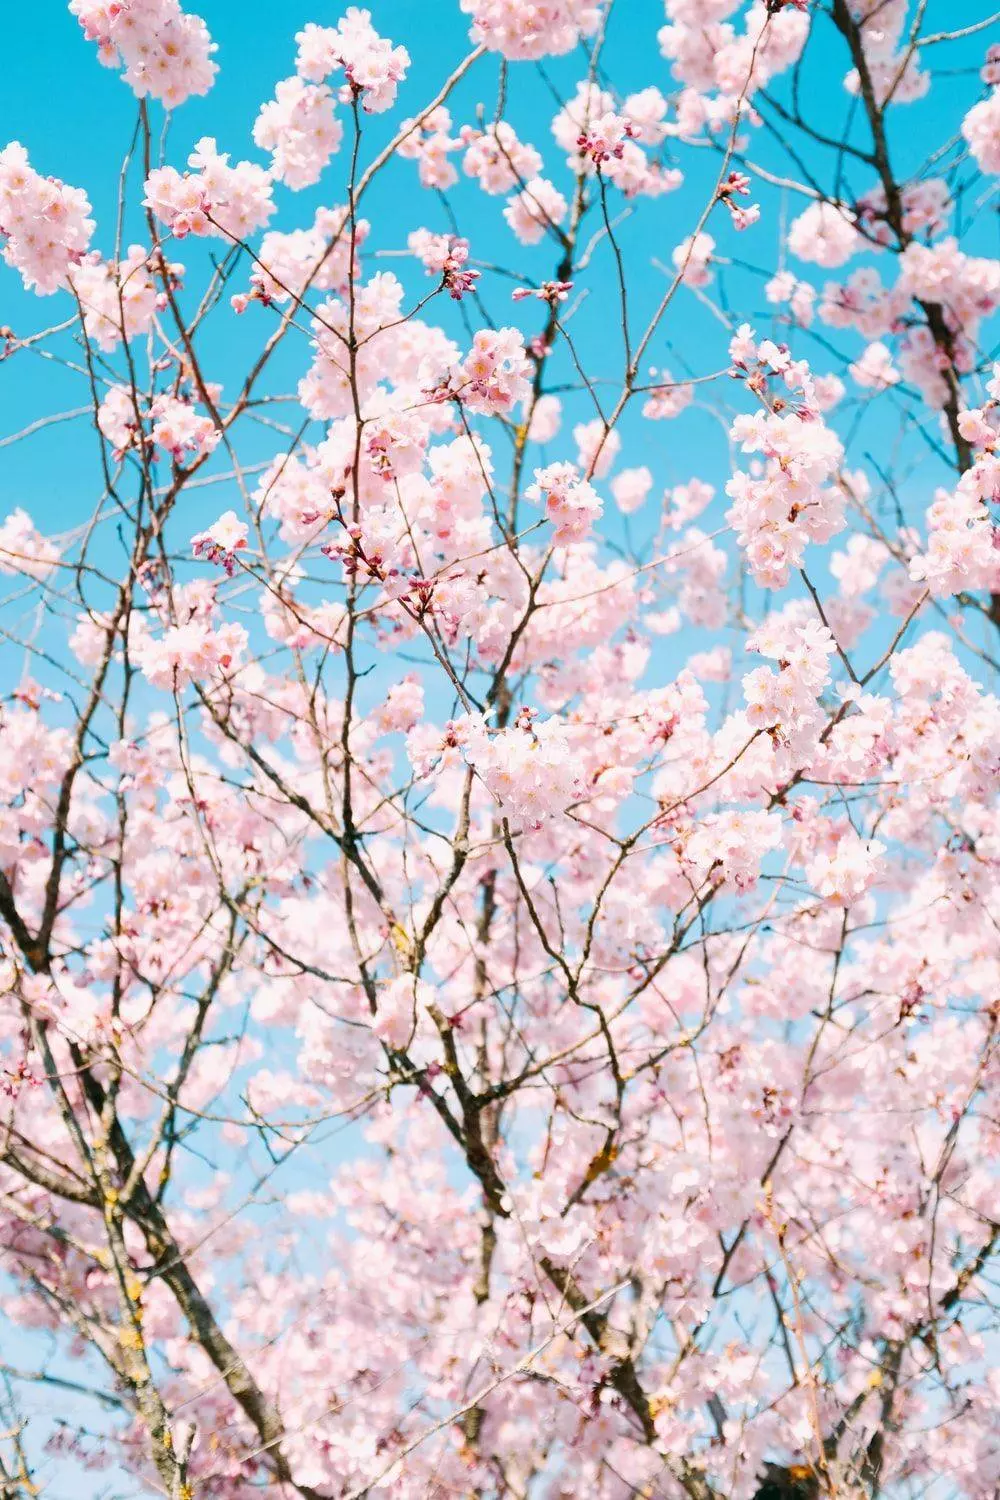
x,y
121,301
166,53
324,256
445,255
372,65
24,550
300,128
529,29
793,501
962,550
174,425
738,184
221,542
44,224
529,768
213,198
494,376
571,503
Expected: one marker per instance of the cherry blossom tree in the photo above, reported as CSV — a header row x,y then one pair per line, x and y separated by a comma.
x,y
499,952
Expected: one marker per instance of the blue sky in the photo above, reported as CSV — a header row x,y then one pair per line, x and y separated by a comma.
x,y
77,119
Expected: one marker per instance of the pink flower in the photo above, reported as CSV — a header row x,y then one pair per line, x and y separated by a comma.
x,y
630,489
497,158
532,211
875,369
46,223
524,29
24,550
166,53
528,768
494,374
692,258
120,301
824,234
571,503
300,130
220,543
214,198
373,66
842,874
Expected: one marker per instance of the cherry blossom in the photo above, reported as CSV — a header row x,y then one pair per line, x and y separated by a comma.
x,y
165,51
214,198
372,65
521,30
823,234
44,224
300,129
498,948
23,549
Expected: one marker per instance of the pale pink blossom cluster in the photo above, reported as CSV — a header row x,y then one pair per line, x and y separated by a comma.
x,y
429,142
605,138
599,136
843,872
529,768
221,542
701,569
165,51
403,353
194,651
120,301
730,847
44,224
799,297
981,128
178,429
403,707
174,425
630,489
24,550
667,398
538,207
300,128
893,66
685,502
693,258
497,159
862,302
571,503
925,207
967,288
825,234
321,257
737,185
784,702
494,376
399,1008
597,447
793,500
213,198
709,56
962,549
445,255
875,369
529,29
374,68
